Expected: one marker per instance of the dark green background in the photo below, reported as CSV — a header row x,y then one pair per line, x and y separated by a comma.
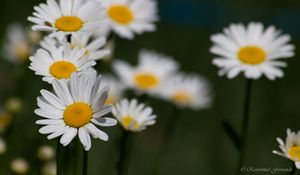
x,y
199,145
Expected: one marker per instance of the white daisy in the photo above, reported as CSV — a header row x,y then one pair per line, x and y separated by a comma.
x,y
152,70
94,47
17,47
190,91
133,116
116,89
291,148
251,49
75,108
59,62
68,16
129,17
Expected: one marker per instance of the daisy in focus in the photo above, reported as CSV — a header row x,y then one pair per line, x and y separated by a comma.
x,y
68,17
59,62
75,108
19,44
130,17
187,91
148,76
251,49
116,89
290,148
133,116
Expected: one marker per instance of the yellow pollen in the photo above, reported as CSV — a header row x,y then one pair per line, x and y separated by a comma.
x,y
69,23
128,122
294,153
78,115
62,69
120,14
146,81
252,55
181,97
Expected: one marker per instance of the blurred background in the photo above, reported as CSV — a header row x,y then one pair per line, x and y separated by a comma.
x,y
199,144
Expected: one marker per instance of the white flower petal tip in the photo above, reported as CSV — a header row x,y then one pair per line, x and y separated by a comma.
x,y
133,116
251,50
84,93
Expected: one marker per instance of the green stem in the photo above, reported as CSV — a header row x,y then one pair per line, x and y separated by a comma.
x,y
245,124
85,162
166,137
294,169
122,153
58,158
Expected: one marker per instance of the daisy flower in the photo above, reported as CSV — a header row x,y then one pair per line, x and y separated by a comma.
x,y
291,147
94,47
74,108
17,47
68,17
59,62
252,50
116,89
186,91
133,116
130,17
152,70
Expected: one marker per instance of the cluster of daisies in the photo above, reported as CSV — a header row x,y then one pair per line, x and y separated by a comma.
x,y
78,34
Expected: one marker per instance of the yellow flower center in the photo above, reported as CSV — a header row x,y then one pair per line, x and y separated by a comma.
x,y
146,81
294,153
252,55
181,97
78,115
62,69
69,23
120,14
128,122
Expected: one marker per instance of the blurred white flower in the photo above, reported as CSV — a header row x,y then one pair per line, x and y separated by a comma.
x,y
59,61
187,91
68,16
17,46
19,166
94,47
49,169
152,70
116,89
14,105
130,17
133,116
251,49
291,147
45,153
2,146
75,108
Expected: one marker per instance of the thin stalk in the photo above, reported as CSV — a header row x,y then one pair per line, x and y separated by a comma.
x,y
121,169
245,125
166,137
58,159
85,162
294,169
